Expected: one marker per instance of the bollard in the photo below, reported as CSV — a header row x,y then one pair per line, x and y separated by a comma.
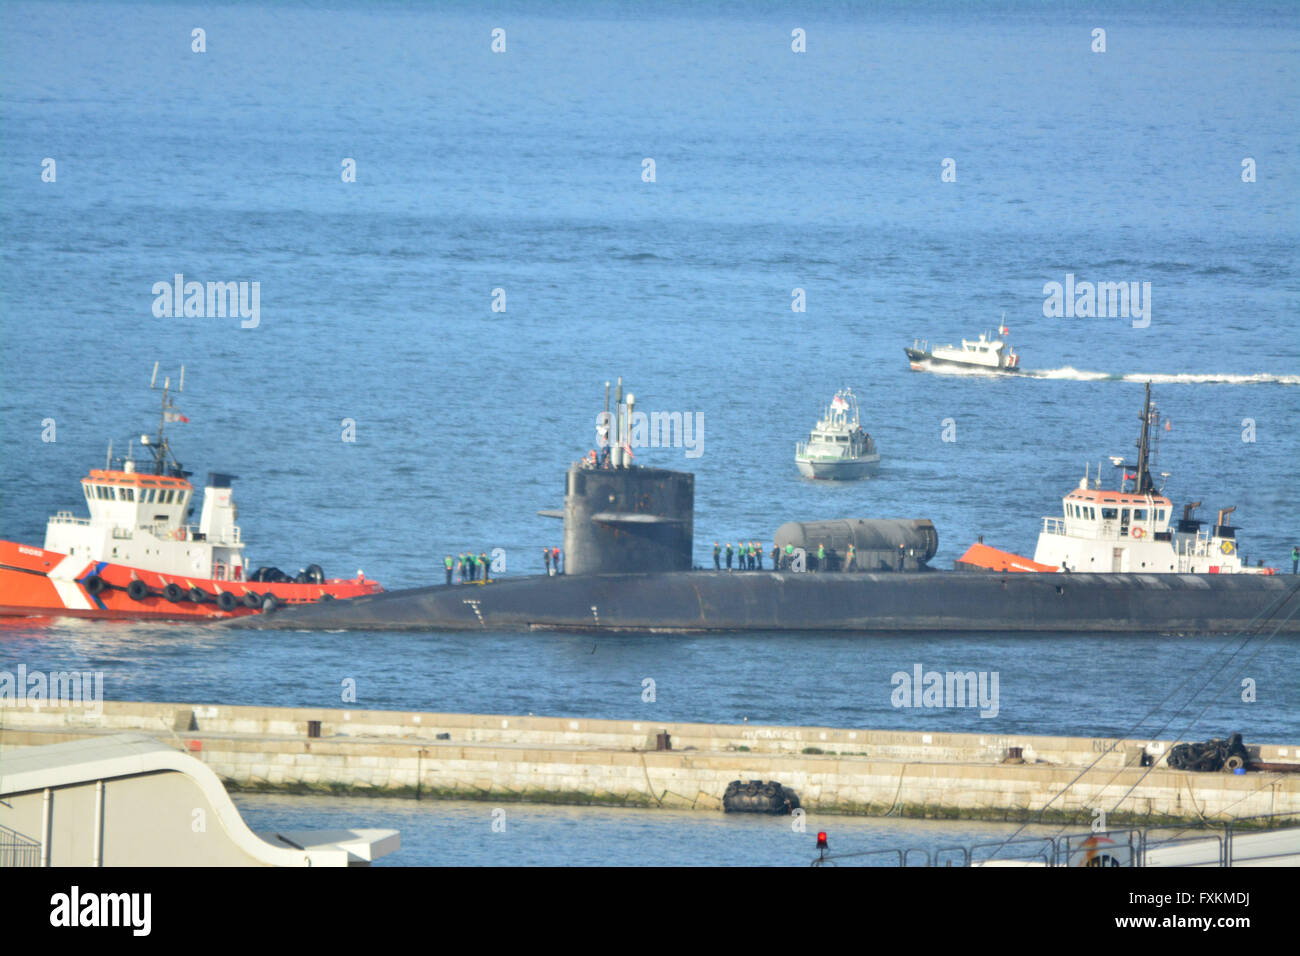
x,y
663,741
313,728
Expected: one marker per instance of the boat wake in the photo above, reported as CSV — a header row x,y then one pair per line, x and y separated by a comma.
x,y
1211,378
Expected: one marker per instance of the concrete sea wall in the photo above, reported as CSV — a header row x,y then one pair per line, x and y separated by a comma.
x,y
504,758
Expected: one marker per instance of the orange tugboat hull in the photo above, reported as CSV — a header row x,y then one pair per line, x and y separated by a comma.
x,y
35,582
980,557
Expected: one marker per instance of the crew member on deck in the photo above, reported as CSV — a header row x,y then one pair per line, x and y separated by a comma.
x,y
447,563
717,556
776,557
758,554
821,556
1295,558
728,555
555,559
546,556
849,561
483,563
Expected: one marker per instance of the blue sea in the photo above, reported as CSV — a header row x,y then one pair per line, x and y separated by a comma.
x,y
500,256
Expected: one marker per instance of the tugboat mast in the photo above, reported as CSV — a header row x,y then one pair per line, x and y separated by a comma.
x,y
160,448
1145,485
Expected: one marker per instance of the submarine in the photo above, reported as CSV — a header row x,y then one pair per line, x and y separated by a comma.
x,y
628,540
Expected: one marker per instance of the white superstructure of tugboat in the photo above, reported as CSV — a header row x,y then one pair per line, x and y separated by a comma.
x,y
1129,529
988,353
838,448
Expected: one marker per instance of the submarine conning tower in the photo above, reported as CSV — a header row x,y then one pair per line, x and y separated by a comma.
x,y
621,517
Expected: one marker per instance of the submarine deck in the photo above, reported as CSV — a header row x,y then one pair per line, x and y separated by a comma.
x,y
928,601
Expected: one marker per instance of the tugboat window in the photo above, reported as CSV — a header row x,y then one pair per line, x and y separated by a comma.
x,y
1109,514
1139,514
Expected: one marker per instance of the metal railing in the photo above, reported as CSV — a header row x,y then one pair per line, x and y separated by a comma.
x,y
1243,840
18,850
67,517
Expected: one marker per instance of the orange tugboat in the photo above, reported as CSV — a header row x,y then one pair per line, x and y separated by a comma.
x,y
135,556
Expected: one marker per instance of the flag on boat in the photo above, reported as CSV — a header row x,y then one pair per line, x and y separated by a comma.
x,y
839,403
174,416
1003,330
1127,477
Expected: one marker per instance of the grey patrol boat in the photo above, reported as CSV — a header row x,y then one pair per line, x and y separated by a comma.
x,y
838,448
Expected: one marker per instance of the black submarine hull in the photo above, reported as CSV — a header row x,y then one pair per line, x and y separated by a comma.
x,y
931,601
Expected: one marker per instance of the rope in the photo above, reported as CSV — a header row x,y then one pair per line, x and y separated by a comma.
x,y
1260,620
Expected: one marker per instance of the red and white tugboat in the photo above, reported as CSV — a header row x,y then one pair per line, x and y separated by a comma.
x,y
135,556
1131,529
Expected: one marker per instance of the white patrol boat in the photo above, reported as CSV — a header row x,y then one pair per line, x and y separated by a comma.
x,y
986,354
1131,529
838,448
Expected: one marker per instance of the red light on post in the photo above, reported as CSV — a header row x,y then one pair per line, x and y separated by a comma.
x,y
821,841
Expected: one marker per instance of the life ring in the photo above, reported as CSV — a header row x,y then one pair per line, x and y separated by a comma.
x,y
1137,532
180,534
1227,547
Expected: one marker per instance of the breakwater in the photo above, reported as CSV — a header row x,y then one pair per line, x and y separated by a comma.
x,y
506,758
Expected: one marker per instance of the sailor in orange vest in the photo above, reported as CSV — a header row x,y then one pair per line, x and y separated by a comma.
x,y
555,559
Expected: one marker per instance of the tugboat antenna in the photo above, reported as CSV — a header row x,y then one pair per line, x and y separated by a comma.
x,y
161,449
1144,484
